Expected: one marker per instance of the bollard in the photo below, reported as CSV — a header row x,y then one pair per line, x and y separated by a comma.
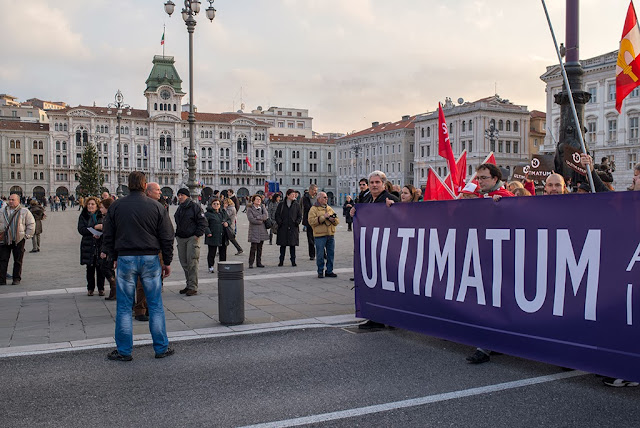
x,y
231,292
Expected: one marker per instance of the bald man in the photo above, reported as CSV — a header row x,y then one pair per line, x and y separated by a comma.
x,y
555,185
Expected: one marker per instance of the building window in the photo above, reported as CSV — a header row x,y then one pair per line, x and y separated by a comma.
x,y
632,160
593,90
508,125
515,126
612,125
633,129
591,131
612,92
508,146
515,147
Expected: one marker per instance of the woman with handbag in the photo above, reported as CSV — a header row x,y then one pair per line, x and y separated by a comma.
x,y
91,218
258,231
215,234
288,217
232,229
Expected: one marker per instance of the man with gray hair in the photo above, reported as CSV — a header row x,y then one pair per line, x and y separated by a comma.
x,y
377,194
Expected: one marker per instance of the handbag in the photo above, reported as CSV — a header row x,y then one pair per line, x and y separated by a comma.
x,y
268,223
230,234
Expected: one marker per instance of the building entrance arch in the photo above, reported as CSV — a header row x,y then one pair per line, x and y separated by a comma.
x,y
38,193
16,189
62,191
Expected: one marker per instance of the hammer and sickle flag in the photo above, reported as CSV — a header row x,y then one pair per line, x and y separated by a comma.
x,y
628,65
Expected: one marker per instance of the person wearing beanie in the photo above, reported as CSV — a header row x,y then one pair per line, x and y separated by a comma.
x,y
190,226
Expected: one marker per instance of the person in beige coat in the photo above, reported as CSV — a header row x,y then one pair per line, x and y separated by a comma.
x,y
323,220
16,226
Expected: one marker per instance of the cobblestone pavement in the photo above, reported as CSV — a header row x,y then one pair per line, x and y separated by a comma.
x,y
51,306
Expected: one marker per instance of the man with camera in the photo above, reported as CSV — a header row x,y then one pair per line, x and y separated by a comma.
x,y
323,220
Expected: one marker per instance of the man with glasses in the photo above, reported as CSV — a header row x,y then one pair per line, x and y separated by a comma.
x,y
490,182
490,185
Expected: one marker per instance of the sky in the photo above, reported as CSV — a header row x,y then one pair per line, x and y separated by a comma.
x,y
349,62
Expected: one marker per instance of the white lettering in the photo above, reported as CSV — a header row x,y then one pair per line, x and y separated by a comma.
x,y
386,285
565,258
629,305
472,255
405,234
371,282
634,259
531,306
497,236
417,273
448,255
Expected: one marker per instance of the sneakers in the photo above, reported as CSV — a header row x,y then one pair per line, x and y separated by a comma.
x,y
142,317
191,292
330,275
478,357
617,383
117,356
211,269
239,252
184,290
169,351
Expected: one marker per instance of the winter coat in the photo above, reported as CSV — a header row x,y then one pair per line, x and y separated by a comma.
x,y
325,227
26,222
38,214
89,246
190,220
346,211
307,203
215,228
256,217
233,216
271,208
288,220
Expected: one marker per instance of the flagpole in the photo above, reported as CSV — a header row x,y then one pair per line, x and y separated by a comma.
x,y
570,94
164,29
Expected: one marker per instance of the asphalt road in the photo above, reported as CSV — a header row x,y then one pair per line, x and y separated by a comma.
x,y
263,378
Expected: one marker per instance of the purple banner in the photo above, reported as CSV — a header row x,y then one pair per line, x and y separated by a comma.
x,y
549,278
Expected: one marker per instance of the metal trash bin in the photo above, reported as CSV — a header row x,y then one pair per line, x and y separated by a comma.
x,y
231,292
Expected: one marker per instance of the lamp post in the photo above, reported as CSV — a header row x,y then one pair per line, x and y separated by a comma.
x,y
190,10
275,168
492,134
356,149
119,105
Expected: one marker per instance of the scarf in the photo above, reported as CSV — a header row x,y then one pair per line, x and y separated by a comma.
x,y
498,185
11,231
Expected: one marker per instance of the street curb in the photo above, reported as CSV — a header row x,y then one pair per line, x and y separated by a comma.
x,y
337,321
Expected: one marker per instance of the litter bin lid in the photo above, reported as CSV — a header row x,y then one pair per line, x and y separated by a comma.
x,y
230,266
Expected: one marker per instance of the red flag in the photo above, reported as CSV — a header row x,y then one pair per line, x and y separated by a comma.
x,y
461,167
247,161
436,190
628,65
444,146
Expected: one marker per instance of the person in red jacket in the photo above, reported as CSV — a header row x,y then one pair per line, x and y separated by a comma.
x,y
490,182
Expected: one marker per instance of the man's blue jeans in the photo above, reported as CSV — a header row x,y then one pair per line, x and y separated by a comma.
x,y
148,269
322,243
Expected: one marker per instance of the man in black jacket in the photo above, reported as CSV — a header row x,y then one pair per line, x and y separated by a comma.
x,y
378,194
308,200
190,226
364,191
135,230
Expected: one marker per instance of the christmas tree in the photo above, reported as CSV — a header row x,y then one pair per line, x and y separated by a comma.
x,y
91,178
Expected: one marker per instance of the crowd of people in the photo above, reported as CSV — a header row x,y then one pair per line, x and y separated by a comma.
x,y
135,234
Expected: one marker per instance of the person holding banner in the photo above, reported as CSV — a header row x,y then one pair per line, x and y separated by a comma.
x,y
490,182
377,194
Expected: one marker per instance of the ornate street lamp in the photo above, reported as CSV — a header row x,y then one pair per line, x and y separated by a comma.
x,y
119,105
190,10
492,134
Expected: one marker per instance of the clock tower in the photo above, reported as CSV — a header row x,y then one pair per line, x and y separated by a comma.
x,y
164,89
